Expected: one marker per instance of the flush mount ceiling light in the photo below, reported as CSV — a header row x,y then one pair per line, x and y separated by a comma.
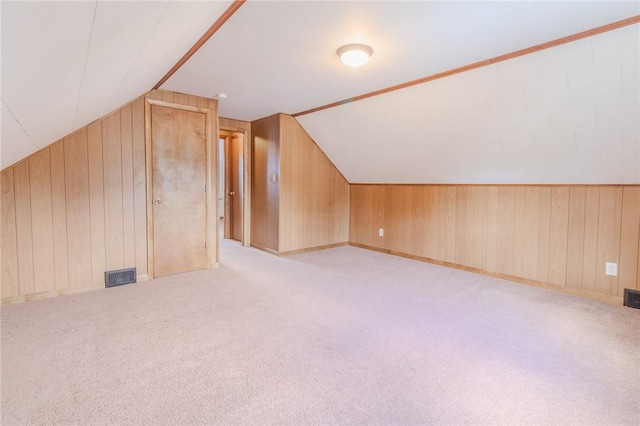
x,y
355,54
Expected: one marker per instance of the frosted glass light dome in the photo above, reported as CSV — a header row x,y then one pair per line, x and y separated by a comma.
x,y
355,55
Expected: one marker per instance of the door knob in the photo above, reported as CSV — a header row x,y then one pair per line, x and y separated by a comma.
x,y
221,198
157,202
232,193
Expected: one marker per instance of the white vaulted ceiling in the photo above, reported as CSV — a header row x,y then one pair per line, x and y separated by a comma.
x,y
568,114
65,64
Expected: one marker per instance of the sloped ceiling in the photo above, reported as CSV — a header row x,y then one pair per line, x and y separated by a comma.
x,y
563,115
65,64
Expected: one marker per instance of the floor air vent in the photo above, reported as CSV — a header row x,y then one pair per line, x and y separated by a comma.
x,y
119,277
632,298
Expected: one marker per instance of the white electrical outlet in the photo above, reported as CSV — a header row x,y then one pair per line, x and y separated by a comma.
x,y
381,232
611,268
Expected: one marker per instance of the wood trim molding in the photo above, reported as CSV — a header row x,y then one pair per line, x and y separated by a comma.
x,y
202,40
490,61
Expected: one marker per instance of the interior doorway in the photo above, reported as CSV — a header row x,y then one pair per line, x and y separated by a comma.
x,y
177,154
231,184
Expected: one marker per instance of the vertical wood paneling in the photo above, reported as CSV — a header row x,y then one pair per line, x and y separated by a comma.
x,y
630,238
531,232
313,195
545,234
558,236
65,205
491,245
419,228
610,218
433,221
575,247
24,227
58,201
96,202
112,167
42,221
128,219
506,222
265,194
461,226
139,188
9,263
479,227
447,223
517,267
590,248
76,173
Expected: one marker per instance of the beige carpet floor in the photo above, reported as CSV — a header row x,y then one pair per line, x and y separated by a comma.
x,y
340,336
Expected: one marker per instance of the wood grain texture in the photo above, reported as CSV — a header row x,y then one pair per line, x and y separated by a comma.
x,y
179,180
629,240
10,285
537,233
139,187
128,212
58,201
575,247
96,202
531,232
313,195
76,173
610,218
70,200
590,252
42,221
265,196
24,227
113,217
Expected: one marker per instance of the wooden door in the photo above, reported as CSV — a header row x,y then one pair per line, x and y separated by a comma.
x,y
236,185
179,202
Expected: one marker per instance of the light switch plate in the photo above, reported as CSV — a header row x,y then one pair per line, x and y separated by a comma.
x,y
611,269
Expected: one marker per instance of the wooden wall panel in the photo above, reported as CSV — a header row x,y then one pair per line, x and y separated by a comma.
x,y
139,188
265,197
96,202
113,217
491,233
506,223
314,196
58,203
128,217
543,234
9,274
67,208
575,247
531,232
42,221
610,218
76,173
590,251
630,239
431,215
447,223
24,227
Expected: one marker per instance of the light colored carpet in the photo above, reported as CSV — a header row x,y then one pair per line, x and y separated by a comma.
x,y
339,336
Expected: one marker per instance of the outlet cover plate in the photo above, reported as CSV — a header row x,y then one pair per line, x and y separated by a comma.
x,y
611,269
381,232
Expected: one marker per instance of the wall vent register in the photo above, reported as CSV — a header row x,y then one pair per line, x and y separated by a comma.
x,y
632,298
119,277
